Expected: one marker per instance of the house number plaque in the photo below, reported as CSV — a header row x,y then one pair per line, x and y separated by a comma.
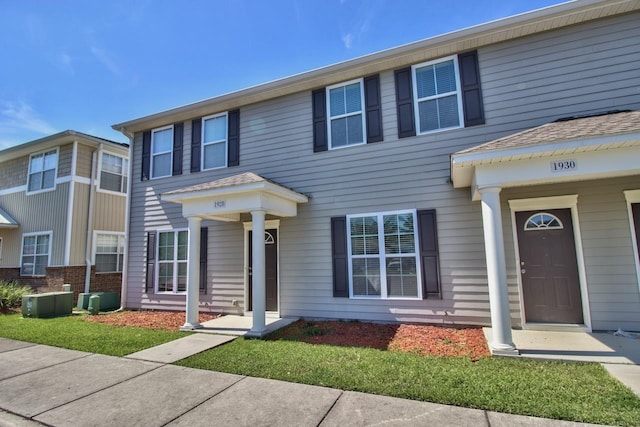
x,y
219,204
564,165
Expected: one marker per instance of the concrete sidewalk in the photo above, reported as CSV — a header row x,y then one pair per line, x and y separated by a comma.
x,y
58,387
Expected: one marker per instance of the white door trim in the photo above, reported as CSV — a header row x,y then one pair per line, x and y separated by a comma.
x,y
248,226
554,202
633,196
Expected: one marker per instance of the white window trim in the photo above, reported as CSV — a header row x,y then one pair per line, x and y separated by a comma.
x,y
124,174
633,196
569,201
362,113
203,143
175,261
151,154
382,256
95,247
458,92
55,173
36,233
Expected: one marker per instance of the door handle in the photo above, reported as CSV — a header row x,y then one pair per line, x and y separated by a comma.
x,y
523,271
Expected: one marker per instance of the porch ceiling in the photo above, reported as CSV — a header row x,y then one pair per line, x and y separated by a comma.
x,y
6,221
225,199
598,146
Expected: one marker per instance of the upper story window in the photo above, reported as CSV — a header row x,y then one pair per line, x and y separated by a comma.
x,y
161,152
438,101
383,255
42,171
113,173
346,119
214,141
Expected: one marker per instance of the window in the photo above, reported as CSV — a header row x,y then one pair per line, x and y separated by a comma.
x,y
172,261
35,254
214,141
346,119
113,173
542,221
42,171
383,255
161,152
438,102
109,252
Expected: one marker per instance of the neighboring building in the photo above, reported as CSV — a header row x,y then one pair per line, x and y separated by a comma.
x,y
358,176
62,208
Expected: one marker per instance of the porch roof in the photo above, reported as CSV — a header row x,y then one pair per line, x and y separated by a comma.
x,y
613,137
6,221
225,199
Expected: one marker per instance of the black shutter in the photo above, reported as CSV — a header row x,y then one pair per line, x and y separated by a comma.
x,y
429,259
151,261
178,131
340,256
374,108
146,156
471,91
196,144
204,238
404,103
234,138
320,141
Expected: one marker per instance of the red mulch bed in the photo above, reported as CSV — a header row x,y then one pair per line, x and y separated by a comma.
x,y
419,339
159,320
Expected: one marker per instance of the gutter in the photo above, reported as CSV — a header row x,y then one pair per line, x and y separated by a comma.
x,y
89,242
127,222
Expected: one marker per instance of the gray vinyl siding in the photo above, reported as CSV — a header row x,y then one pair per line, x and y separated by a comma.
x,y
46,211
525,83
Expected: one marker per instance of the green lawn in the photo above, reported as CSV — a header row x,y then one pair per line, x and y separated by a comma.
x,y
569,391
74,333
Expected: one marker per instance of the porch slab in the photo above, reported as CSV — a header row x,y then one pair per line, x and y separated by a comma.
x,y
599,347
231,324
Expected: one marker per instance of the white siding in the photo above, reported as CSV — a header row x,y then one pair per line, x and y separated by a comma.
x,y
526,82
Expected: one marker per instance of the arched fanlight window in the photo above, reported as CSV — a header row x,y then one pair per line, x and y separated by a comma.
x,y
543,221
268,238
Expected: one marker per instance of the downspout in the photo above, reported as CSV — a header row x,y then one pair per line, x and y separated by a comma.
x,y
127,221
89,243
71,205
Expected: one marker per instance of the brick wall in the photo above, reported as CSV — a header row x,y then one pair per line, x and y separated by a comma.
x,y
58,276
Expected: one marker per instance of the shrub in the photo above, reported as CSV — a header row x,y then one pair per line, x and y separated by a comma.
x,y
11,294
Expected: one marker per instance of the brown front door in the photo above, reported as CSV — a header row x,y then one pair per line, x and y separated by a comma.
x,y
548,266
271,269
635,209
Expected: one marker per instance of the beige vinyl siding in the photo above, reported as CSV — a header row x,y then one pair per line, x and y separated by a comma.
x,y
79,224
65,154
109,212
614,296
11,244
83,164
14,173
410,173
46,211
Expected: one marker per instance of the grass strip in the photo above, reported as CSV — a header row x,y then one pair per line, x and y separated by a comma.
x,y
73,333
582,392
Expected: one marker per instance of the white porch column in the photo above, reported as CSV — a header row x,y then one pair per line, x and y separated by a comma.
x,y
501,340
193,283
258,274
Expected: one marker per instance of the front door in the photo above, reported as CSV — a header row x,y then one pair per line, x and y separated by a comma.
x,y
271,269
548,267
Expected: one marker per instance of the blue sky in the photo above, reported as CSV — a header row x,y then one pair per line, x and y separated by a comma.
x,y
87,64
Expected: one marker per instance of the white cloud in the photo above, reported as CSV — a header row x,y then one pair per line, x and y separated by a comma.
x,y
106,59
347,39
18,118
64,61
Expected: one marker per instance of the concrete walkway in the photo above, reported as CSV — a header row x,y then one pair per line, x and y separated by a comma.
x,y
58,387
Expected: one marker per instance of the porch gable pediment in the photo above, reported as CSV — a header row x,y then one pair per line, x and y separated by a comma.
x,y
225,199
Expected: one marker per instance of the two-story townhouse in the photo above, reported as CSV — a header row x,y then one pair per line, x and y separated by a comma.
x,y
62,220
344,192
